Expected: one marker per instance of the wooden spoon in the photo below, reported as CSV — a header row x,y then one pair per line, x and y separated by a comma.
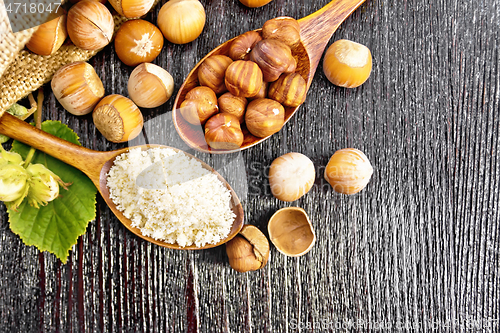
x,y
96,164
315,32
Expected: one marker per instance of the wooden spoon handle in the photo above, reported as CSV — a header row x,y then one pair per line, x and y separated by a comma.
x,y
87,160
317,28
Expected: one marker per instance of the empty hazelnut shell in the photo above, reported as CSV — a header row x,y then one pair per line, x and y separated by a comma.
x,y
291,231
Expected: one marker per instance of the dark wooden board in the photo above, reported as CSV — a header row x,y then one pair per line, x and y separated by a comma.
x,y
418,250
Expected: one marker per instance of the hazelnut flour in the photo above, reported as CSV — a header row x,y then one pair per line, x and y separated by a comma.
x,y
171,197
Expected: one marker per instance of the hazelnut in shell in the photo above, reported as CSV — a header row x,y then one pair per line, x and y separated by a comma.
x,y
348,171
118,118
212,72
249,250
223,131
243,78
242,45
77,87
264,117
150,86
49,37
90,25
181,21
291,176
273,57
199,104
255,3
138,41
132,8
285,29
291,231
289,90
347,64
234,105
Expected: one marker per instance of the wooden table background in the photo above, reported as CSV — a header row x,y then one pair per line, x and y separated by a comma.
x,y
417,250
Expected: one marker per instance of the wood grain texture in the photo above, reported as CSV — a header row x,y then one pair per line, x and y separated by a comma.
x,y
418,250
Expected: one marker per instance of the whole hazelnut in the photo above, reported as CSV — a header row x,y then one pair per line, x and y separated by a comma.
x,y
273,57
285,29
348,171
199,104
223,131
263,91
249,250
138,41
90,25
118,118
49,37
289,90
242,45
243,78
264,117
234,105
77,87
212,72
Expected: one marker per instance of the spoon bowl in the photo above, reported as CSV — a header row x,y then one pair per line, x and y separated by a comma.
x,y
96,165
315,32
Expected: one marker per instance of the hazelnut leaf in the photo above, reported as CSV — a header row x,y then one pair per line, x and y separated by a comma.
x,y
56,226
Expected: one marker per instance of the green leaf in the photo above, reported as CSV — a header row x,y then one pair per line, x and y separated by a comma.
x,y
56,226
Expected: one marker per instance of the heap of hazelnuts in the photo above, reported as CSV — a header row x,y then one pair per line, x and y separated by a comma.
x,y
244,91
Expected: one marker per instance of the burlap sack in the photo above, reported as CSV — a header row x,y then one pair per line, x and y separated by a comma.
x,y
22,72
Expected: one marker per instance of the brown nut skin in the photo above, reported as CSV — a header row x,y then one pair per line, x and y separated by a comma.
x,y
263,91
273,57
249,250
289,90
234,105
348,171
264,117
285,29
243,78
212,72
243,44
199,104
223,131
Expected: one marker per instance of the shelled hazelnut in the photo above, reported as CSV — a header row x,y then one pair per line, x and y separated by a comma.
x,y
199,104
264,117
242,45
234,105
285,29
273,57
289,90
243,78
223,131
212,72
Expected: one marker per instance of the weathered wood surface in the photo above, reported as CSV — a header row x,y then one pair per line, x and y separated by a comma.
x,y
417,250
